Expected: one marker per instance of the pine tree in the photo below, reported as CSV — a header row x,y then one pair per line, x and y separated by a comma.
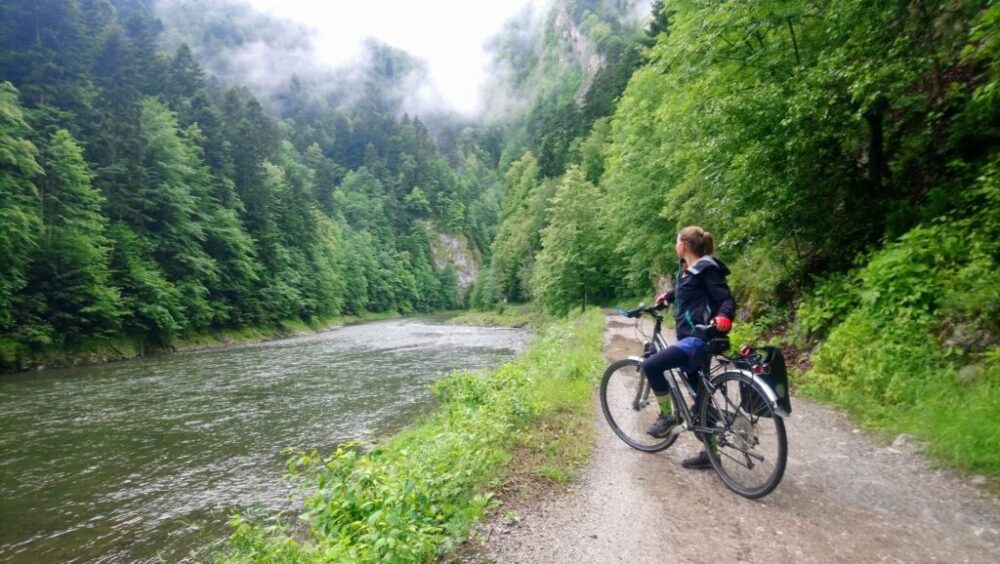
x,y
174,201
19,207
69,277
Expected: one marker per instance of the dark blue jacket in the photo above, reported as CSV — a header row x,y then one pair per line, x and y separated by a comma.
x,y
700,294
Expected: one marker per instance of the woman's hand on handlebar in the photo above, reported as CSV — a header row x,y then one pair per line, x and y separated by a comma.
x,y
664,299
720,323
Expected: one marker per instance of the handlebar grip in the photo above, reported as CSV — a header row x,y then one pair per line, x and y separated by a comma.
x,y
639,310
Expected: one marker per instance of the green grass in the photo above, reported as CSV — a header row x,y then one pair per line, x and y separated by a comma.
x,y
15,355
413,498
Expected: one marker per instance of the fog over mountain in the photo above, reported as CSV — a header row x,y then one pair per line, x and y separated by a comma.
x,y
243,46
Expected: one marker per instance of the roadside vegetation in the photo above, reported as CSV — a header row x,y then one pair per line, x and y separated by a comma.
x,y
415,497
845,157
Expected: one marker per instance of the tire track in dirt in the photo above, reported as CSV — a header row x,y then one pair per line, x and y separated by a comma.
x,y
844,498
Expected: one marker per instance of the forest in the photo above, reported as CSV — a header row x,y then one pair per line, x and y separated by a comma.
x,y
146,200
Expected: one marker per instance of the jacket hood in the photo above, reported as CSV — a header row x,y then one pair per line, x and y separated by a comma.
x,y
706,262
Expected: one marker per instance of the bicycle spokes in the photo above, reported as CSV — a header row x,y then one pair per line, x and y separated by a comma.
x,y
748,447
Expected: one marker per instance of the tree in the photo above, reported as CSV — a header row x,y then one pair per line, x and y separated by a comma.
x,y
573,265
70,284
19,209
173,203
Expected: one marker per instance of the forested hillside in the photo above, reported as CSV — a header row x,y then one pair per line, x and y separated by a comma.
x,y
846,157
143,199
560,69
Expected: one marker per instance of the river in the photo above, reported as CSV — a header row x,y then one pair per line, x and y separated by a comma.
x,y
145,459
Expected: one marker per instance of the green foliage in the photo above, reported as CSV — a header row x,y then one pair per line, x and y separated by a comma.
x,y
485,291
568,65
69,281
575,258
829,303
414,498
19,213
843,155
518,238
795,128
921,332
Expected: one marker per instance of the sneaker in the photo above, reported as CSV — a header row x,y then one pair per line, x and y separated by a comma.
x,y
662,426
697,462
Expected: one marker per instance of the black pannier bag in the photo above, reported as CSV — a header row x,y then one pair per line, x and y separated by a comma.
x,y
776,378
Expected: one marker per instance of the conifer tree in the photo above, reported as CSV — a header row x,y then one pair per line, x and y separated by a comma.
x,y
19,208
70,285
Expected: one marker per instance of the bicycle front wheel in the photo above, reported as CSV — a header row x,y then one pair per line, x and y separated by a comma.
x,y
749,448
630,407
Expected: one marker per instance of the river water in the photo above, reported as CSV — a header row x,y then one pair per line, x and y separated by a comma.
x,y
145,459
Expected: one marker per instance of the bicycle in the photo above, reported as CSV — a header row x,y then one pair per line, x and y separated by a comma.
x,y
738,416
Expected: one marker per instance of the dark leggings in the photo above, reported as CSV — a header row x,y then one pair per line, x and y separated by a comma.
x,y
658,363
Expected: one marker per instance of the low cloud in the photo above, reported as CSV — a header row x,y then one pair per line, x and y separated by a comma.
x,y
245,47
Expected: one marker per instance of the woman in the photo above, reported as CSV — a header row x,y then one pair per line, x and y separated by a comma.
x,y
701,297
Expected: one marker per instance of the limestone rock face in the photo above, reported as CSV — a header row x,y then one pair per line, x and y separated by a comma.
x,y
455,250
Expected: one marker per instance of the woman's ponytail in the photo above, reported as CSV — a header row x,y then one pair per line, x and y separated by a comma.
x,y
699,240
708,243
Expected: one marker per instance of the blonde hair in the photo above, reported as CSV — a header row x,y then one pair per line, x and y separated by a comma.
x,y
699,240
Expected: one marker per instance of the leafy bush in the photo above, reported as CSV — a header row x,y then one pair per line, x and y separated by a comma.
x,y
918,350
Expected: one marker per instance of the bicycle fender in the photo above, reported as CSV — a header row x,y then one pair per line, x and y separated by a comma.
x,y
771,397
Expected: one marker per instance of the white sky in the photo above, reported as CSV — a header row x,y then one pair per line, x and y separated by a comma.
x,y
447,34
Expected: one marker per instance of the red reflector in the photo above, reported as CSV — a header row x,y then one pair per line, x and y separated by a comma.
x,y
762,369
746,350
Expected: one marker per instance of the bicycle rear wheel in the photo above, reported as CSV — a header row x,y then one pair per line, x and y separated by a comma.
x,y
630,407
749,449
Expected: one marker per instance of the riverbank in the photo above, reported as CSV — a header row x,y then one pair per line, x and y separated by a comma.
x,y
513,315
415,497
16,357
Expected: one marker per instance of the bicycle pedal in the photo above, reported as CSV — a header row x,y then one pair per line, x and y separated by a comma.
x,y
678,429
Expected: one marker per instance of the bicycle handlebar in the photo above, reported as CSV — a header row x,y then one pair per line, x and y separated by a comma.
x,y
639,310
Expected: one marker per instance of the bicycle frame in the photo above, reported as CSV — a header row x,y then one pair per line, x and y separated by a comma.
x,y
704,374
735,412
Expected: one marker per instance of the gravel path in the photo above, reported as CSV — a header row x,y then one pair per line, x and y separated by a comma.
x,y
844,498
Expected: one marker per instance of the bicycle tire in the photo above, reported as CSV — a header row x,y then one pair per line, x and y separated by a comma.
x,y
750,451
630,407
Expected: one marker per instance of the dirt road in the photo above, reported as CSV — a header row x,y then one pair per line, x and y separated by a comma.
x,y
844,498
